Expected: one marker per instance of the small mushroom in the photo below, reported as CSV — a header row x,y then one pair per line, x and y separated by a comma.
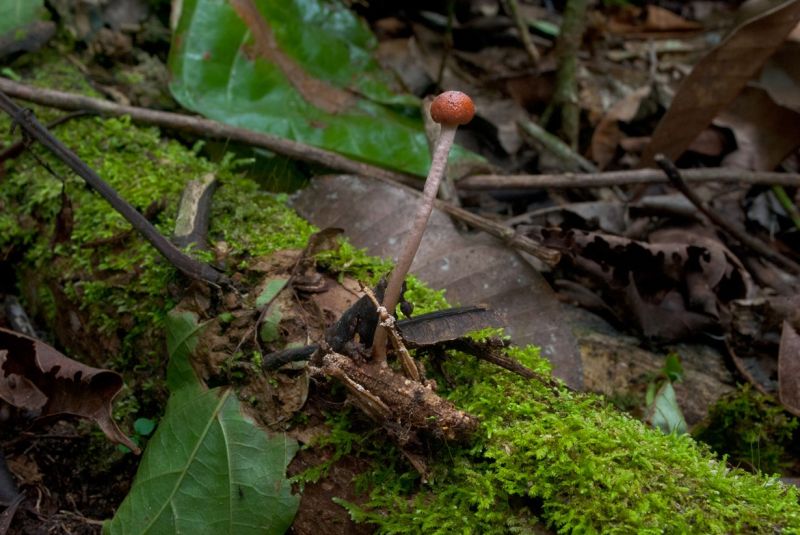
x,y
450,109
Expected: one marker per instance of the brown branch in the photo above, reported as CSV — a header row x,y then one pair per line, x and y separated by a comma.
x,y
728,227
624,178
213,129
203,128
33,128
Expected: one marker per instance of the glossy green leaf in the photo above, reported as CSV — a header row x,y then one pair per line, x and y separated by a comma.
x,y
319,83
207,469
19,13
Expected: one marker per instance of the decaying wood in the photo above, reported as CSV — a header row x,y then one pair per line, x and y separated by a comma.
x,y
403,406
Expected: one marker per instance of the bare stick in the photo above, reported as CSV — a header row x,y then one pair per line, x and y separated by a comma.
x,y
186,264
728,227
522,29
213,129
623,178
556,147
204,128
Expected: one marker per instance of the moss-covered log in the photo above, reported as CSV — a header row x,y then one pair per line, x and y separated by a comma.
x,y
541,452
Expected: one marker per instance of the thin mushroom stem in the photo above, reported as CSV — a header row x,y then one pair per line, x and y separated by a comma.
x,y
414,237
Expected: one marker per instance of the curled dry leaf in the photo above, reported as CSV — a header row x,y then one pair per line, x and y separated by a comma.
x,y
676,287
38,379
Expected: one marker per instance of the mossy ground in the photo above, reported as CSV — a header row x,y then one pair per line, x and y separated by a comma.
x,y
542,450
752,428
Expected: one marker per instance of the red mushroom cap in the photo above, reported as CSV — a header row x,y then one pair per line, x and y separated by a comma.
x,y
452,108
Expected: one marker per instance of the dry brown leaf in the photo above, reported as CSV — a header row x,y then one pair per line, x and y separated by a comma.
x,y
472,269
795,34
756,331
664,20
710,142
789,369
651,20
780,77
720,76
607,136
37,378
765,132
677,286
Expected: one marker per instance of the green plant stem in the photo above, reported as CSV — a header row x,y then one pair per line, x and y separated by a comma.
x,y
787,204
565,98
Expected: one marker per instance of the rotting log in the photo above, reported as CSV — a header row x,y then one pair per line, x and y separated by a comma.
x,y
540,451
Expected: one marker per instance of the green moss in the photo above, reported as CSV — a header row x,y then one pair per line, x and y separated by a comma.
x,y
356,263
582,465
750,428
118,281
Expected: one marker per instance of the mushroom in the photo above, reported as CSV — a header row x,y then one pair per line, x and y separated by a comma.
x,y
450,109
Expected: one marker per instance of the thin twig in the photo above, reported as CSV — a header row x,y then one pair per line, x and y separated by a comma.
x,y
727,226
556,147
203,128
623,178
186,264
522,29
508,235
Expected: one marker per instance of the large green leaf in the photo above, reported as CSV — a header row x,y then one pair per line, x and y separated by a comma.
x,y
19,13
299,69
207,469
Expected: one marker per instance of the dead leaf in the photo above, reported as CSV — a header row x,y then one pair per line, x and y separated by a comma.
x,y
765,132
789,369
780,77
37,378
676,287
607,135
650,20
720,76
8,487
472,269
664,20
710,142
755,335
446,325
